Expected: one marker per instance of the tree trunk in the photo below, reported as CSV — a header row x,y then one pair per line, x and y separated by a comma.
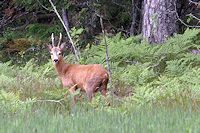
x,y
65,18
159,20
136,17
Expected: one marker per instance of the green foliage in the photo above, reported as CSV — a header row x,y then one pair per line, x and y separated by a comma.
x,y
11,103
35,5
42,31
143,76
29,81
76,36
33,31
21,46
155,72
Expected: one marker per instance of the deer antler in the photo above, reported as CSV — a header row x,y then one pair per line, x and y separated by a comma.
x,y
59,40
52,39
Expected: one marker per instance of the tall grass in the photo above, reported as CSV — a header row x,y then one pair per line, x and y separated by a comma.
x,y
151,120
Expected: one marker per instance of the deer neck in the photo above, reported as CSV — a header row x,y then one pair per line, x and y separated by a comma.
x,y
60,67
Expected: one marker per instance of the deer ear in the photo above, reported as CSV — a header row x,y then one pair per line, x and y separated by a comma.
x,y
49,47
62,46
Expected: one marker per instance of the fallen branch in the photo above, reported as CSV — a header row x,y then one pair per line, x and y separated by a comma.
x,y
54,101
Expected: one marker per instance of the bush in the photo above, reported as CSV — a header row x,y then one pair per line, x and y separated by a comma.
x,y
156,73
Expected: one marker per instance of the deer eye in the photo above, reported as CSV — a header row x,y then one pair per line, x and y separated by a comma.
x,y
59,53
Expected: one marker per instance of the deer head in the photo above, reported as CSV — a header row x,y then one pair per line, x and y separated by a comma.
x,y
56,51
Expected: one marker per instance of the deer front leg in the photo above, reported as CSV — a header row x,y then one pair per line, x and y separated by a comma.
x,y
72,90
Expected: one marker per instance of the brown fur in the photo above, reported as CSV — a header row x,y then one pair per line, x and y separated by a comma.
x,y
89,78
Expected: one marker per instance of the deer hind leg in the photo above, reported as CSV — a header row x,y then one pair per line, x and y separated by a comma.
x,y
90,94
94,85
103,87
103,92
90,89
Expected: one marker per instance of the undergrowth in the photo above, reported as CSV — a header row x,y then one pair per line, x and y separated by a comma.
x,y
144,75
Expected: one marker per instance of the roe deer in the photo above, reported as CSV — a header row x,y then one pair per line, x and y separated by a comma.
x,y
89,78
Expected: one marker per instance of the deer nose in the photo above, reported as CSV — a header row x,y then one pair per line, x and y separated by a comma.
x,y
55,60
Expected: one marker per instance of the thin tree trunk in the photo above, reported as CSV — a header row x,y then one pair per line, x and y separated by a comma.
x,y
65,18
134,15
107,54
159,20
141,17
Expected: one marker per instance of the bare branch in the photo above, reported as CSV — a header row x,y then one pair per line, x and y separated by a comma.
x,y
191,15
44,6
196,3
107,56
100,16
118,4
187,25
54,101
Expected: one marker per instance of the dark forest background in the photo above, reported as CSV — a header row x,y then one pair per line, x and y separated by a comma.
x,y
26,25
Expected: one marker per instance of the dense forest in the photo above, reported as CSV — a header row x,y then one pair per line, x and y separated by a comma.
x,y
151,49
